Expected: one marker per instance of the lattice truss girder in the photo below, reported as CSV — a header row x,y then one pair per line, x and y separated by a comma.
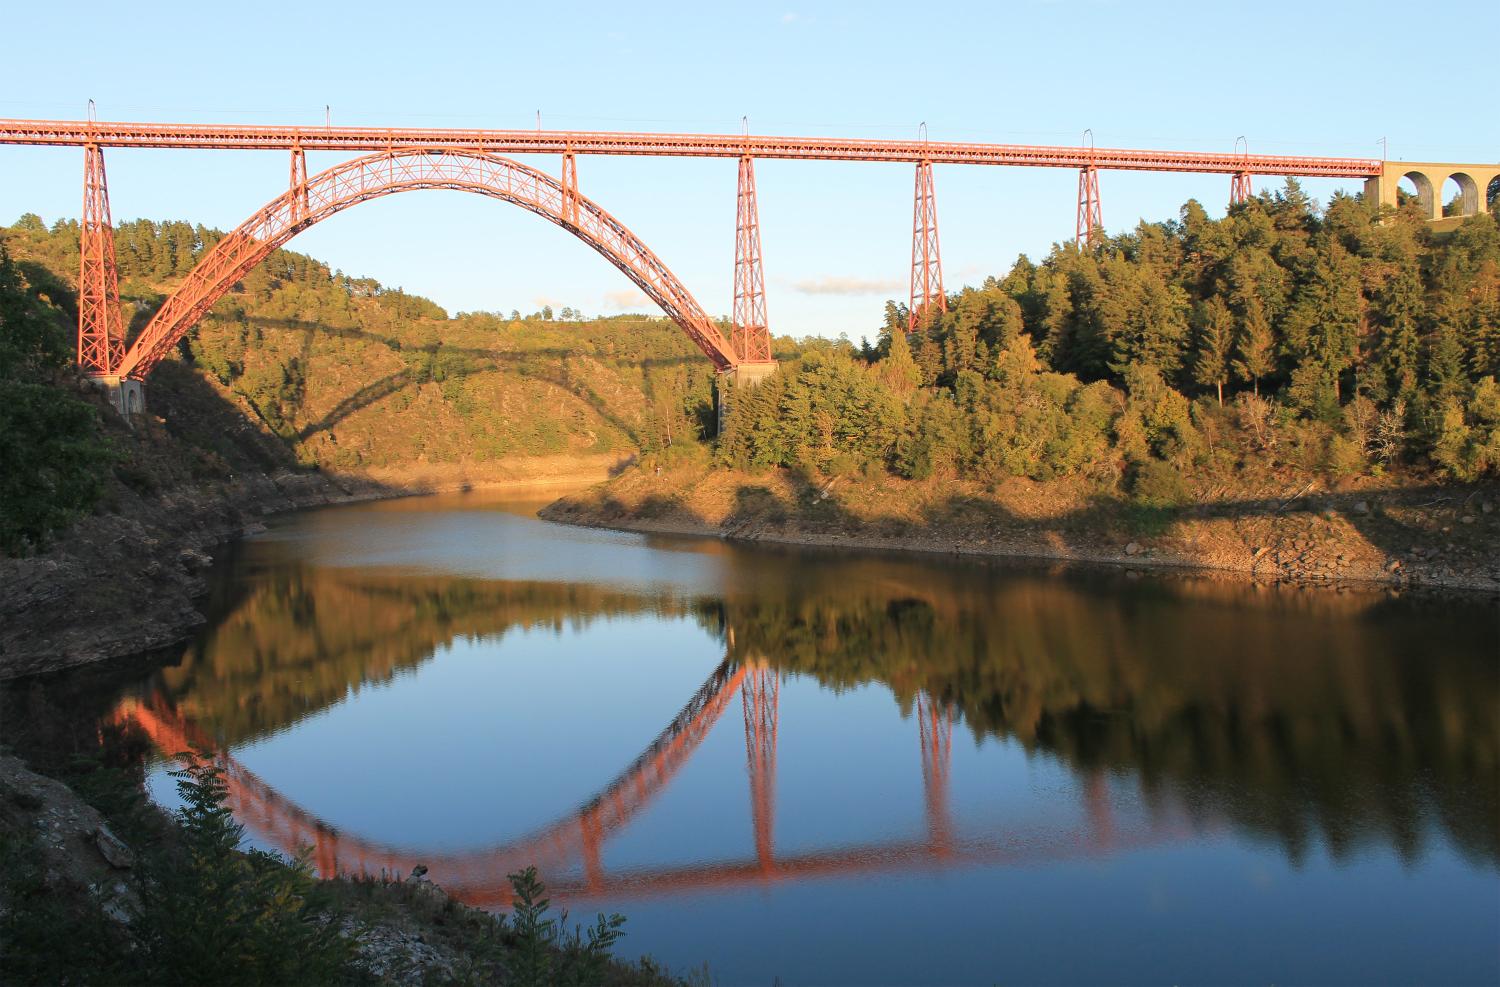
x,y
366,178
111,134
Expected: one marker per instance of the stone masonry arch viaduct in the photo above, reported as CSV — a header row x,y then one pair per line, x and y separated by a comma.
x,y
1429,177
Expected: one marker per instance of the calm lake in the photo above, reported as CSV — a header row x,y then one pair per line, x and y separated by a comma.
x,y
833,768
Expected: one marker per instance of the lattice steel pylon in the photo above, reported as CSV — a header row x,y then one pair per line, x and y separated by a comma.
x,y
935,732
570,187
297,183
751,337
1239,188
101,336
761,696
1090,217
926,258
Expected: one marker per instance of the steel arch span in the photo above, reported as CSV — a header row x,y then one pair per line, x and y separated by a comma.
x,y
312,200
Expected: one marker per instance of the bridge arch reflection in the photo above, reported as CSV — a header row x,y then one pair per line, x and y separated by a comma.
x,y
575,842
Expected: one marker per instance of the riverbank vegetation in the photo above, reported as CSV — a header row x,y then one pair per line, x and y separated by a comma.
x,y
185,902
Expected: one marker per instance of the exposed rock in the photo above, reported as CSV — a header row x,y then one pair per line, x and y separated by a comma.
x,y
1133,549
192,560
1361,507
113,849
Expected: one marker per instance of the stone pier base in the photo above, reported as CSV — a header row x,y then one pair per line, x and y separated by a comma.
x,y
125,393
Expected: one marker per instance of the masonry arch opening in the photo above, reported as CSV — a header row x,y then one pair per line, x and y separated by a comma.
x,y
1460,195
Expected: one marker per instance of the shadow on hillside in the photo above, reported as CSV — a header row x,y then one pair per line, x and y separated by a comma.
x,y
544,352
536,364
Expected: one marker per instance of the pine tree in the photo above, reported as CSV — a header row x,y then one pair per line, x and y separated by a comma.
x,y
1215,341
1254,346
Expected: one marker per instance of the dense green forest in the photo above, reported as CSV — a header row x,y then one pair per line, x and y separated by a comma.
x,y
1331,341
52,456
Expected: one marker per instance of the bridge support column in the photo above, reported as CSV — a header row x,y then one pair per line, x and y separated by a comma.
x,y
926,259
101,337
298,184
570,187
1239,188
751,337
1090,216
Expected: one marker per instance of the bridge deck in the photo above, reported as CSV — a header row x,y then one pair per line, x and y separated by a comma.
x,y
80,133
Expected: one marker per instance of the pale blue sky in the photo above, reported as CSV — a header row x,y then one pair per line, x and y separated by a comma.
x,y
1298,78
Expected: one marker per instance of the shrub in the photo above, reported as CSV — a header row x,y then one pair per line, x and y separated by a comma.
x,y
217,915
1156,484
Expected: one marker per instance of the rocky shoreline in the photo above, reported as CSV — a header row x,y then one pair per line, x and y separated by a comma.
x,y
1397,539
128,581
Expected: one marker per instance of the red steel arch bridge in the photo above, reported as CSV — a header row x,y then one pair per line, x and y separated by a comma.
x,y
401,159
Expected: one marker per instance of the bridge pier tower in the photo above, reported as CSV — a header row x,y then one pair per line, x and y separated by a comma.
x,y
101,337
926,259
1090,216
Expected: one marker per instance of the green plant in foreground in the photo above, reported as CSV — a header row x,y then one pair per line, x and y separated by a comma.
x,y
545,952
218,915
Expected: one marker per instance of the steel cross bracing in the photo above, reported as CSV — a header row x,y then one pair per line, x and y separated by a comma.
x,y
101,334
375,175
751,335
1090,216
79,133
926,259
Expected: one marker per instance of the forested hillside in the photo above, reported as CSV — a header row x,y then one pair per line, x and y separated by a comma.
x,y
1282,337
356,376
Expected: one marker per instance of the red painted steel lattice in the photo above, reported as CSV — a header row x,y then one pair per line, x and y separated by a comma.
x,y
926,259
376,175
1239,188
78,133
1090,216
101,336
751,335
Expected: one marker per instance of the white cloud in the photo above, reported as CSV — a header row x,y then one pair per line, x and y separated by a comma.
x,y
789,17
833,285
630,298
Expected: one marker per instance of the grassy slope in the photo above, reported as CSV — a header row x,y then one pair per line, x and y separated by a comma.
x,y
347,375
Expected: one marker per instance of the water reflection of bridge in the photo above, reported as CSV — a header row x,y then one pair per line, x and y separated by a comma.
x,y
480,877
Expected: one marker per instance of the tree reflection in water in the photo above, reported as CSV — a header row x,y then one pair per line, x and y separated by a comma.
x,y
1293,716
